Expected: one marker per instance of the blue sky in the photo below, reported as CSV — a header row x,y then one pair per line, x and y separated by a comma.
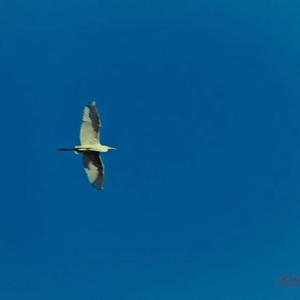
x,y
202,198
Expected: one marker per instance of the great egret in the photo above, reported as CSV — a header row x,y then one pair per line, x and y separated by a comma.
x,y
90,146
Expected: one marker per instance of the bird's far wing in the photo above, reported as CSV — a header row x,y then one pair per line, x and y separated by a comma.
x,y
94,169
89,131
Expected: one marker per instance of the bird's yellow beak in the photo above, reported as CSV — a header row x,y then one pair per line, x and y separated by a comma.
x,y
113,148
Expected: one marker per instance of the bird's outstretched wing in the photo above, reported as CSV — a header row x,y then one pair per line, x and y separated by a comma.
x,y
94,169
89,131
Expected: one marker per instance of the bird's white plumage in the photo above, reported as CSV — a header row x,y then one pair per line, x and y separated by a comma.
x,y
90,146
89,131
94,168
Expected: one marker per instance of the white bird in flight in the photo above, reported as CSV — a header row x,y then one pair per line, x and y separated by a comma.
x,y
90,146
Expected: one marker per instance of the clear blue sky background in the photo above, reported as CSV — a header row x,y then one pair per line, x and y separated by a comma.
x,y
202,201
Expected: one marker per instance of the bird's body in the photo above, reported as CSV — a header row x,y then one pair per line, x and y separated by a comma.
x,y
90,146
96,148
